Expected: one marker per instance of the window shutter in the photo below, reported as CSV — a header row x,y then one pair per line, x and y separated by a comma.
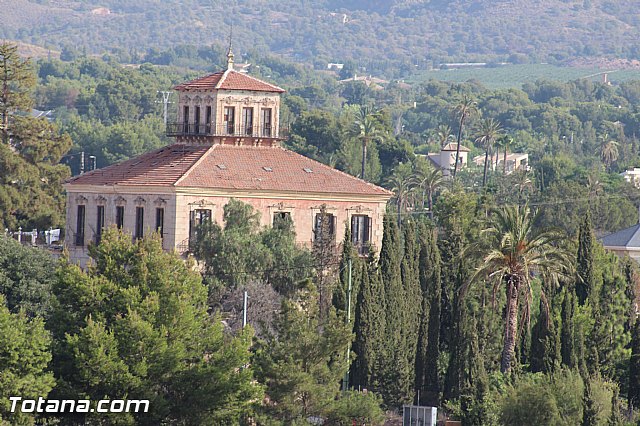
x,y
367,229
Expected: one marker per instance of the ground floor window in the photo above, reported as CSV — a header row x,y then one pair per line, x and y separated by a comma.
x,y
120,217
324,226
160,221
80,225
198,217
139,222
99,224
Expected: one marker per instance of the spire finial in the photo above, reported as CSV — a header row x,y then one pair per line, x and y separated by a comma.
x,y
230,51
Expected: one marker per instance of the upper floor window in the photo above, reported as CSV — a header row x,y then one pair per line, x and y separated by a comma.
x,y
196,120
185,119
229,120
207,123
360,232
160,221
266,122
198,217
247,120
324,226
99,223
281,219
120,216
139,231
80,216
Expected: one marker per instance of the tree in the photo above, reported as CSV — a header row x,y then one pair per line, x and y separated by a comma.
x,y
608,150
365,128
615,419
135,326
24,357
545,352
430,180
401,183
397,380
585,268
428,352
18,82
590,409
464,109
512,249
302,363
568,332
634,367
505,142
369,328
443,134
488,132
25,277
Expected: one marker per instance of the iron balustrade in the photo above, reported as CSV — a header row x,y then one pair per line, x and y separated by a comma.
x,y
192,129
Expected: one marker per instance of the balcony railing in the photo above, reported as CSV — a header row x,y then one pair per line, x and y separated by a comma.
x,y
190,129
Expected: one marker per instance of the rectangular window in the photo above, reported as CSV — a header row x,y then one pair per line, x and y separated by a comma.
x,y
99,224
247,120
324,223
198,217
207,123
266,122
80,226
280,218
360,232
229,120
185,119
120,217
196,120
139,222
160,221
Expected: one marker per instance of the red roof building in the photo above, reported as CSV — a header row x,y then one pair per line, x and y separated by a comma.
x,y
227,146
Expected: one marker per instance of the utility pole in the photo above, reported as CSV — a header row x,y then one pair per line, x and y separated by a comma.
x,y
345,381
165,101
82,162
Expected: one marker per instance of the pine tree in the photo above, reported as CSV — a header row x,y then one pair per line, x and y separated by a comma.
x,y
369,328
427,372
634,367
397,370
544,342
17,82
585,283
568,335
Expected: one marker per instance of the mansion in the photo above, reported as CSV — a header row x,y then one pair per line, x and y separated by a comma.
x,y
227,145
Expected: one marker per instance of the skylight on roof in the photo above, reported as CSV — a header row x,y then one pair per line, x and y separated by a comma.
x,y
267,169
308,170
222,167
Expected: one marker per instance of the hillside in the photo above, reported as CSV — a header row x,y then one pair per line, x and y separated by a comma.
x,y
392,37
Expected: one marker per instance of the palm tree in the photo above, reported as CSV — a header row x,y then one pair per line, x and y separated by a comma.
x,y
401,183
489,131
365,128
443,134
505,142
512,252
429,181
608,150
466,107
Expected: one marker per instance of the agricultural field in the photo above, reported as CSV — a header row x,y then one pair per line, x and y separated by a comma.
x,y
516,75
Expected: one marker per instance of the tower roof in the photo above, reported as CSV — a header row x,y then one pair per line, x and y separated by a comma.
x,y
228,80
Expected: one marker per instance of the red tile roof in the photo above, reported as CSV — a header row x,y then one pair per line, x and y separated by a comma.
x,y
160,167
454,147
228,80
231,167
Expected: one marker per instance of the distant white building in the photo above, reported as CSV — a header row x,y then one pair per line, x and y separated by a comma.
x,y
515,161
632,176
446,158
334,66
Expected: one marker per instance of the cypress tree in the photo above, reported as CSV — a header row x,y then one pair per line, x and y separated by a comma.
x,y
476,382
430,277
589,407
584,268
413,294
568,335
544,342
454,375
369,328
615,419
339,299
634,367
397,371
